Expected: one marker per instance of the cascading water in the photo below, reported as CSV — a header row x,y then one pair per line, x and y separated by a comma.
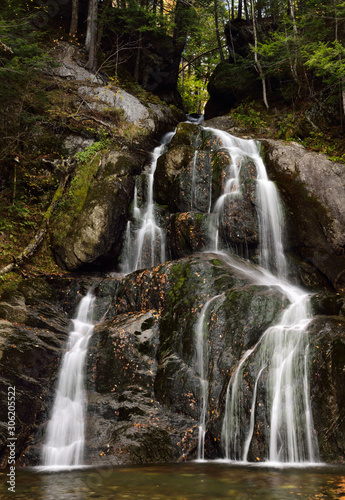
x,y
280,363
280,357
65,438
145,239
201,365
271,254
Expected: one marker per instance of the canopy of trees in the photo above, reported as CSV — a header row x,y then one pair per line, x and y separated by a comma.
x,y
295,45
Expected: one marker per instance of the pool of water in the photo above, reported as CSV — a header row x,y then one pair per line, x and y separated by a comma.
x,y
190,481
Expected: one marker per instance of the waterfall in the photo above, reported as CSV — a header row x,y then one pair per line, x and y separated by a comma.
x,y
280,357
201,367
280,361
145,239
271,254
64,445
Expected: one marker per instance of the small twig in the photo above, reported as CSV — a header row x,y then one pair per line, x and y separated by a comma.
x,y
82,118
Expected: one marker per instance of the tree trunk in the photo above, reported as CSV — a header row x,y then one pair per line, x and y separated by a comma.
x,y
257,62
239,10
181,25
73,30
246,10
217,30
137,60
91,34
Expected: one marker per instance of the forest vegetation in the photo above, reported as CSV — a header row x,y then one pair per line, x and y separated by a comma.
x,y
293,50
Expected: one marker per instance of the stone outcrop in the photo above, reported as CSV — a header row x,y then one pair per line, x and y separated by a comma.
x,y
97,235
229,85
142,381
313,192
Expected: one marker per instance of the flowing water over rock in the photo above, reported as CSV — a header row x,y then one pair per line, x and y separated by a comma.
x,y
280,357
176,334
202,362
64,446
145,240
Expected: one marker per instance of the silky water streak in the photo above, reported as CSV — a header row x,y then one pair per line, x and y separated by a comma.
x,y
279,360
65,436
145,239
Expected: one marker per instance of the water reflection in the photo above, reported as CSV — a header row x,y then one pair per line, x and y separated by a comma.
x,y
190,481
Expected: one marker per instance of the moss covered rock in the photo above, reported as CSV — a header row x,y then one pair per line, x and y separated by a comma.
x,y
142,377
98,232
230,84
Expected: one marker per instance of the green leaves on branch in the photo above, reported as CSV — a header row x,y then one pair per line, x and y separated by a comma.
x,y
327,59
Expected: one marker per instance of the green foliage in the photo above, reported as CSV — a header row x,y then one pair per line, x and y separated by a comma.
x,y
194,93
327,59
200,55
250,115
19,221
88,153
132,18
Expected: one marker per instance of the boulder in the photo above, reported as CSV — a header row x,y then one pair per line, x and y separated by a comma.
x,y
151,117
97,235
142,381
313,192
229,85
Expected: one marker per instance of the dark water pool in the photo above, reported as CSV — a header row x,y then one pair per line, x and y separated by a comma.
x,y
192,481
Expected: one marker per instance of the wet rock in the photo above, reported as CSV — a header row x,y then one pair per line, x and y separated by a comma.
x,y
142,376
312,189
328,304
30,353
124,416
239,222
327,388
187,233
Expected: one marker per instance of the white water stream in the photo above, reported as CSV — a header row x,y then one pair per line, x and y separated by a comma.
x,y
201,365
280,357
145,239
278,362
271,253
64,445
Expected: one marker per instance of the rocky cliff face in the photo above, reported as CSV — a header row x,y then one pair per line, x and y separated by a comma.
x,y
313,191
144,389
94,235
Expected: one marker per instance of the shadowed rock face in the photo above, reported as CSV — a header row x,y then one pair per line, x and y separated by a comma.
x,y
34,328
143,384
327,361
